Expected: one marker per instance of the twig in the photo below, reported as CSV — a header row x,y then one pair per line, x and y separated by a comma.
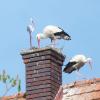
x,y
6,92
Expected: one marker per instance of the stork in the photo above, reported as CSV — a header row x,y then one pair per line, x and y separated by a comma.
x,y
30,29
76,63
52,32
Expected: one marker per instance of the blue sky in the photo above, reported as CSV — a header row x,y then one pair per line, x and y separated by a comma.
x,y
80,18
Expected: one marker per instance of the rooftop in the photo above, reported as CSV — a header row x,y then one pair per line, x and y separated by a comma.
x,y
80,90
20,96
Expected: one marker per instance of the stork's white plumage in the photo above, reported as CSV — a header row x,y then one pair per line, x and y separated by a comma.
x,y
76,63
52,32
30,29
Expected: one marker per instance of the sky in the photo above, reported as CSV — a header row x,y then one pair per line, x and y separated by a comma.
x,y
79,18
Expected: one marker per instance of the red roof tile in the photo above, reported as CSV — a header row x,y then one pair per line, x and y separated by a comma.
x,y
20,96
82,90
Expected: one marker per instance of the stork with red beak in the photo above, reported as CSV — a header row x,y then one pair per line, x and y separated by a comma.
x,y
76,63
54,33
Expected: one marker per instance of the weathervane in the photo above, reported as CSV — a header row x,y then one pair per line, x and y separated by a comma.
x,y
30,29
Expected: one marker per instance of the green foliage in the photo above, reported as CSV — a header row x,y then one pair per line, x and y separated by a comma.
x,y
10,82
4,76
19,86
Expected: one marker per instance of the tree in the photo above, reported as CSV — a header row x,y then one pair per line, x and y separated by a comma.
x,y
9,82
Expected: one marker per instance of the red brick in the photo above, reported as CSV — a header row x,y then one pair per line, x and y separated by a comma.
x,y
39,95
26,61
39,79
39,83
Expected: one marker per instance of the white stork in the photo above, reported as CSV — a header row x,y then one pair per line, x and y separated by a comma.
x,y
76,63
52,32
30,29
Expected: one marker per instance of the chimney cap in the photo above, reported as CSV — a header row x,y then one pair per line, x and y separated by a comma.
x,y
35,49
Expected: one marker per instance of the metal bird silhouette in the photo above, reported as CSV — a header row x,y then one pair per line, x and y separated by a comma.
x,y
30,29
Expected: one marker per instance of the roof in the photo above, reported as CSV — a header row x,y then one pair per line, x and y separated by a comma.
x,y
20,96
80,90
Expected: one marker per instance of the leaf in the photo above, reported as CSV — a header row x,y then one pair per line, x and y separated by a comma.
x,y
0,77
10,81
8,76
4,76
19,86
4,79
13,83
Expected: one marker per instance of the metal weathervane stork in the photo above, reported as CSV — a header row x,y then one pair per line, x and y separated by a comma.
x,y
30,29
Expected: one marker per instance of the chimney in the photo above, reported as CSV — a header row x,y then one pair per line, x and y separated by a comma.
x,y
43,72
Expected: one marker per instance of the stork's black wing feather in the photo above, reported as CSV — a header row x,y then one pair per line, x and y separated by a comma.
x,y
61,34
60,28
68,68
65,34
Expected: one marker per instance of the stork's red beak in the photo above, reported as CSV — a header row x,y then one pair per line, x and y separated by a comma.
x,y
38,42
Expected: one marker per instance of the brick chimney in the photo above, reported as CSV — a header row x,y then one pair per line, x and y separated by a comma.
x,y
43,72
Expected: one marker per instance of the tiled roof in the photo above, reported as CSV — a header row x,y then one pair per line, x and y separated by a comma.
x,y
20,96
82,90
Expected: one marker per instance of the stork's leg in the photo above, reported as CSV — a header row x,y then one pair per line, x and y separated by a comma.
x,y
30,40
52,43
81,75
